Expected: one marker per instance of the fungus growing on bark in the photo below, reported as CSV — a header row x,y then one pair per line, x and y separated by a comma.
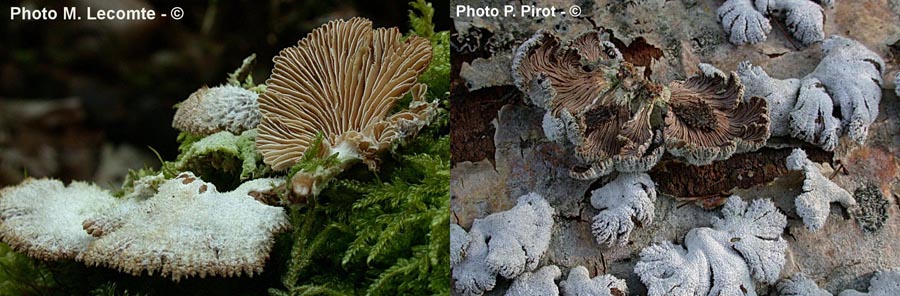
x,y
342,81
459,242
505,243
593,99
42,217
580,283
541,282
743,246
746,22
187,229
743,24
814,203
851,74
624,202
884,283
221,108
708,120
800,285
841,96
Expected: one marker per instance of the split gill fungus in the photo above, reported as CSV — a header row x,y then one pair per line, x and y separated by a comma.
x,y
617,120
341,82
593,99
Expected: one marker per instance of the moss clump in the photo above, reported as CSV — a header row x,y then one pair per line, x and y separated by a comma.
x,y
872,209
224,158
381,235
438,73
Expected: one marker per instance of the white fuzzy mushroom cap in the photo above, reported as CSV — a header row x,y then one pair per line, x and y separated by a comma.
x,y
800,285
580,283
221,108
743,246
814,203
507,243
884,283
188,229
627,199
541,282
42,217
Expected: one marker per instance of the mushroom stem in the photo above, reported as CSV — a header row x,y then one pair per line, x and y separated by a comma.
x,y
309,183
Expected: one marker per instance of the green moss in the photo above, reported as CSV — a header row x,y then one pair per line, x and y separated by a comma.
x,y
224,158
437,77
378,234
20,275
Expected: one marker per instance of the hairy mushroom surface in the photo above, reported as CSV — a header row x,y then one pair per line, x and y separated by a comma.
x,y
342,80
742,247
187,229
221,108
42,217
593,99
708,120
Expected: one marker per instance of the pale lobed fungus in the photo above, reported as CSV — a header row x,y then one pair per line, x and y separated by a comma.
x,y
42,217
580,283
187,229
221,108
459,243
624,202
884,283
178,228
800,285
804,19
342,81
708,119
841,96
814,202
744,246
505,243
742,22
593,99
541,282
781,95
746,21
851,74
897,84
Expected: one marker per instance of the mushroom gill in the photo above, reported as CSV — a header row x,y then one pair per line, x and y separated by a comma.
x,y
342,80
590,94
708,121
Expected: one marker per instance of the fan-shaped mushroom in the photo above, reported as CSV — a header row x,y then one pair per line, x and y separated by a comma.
x,y
342,80
708,119
593,98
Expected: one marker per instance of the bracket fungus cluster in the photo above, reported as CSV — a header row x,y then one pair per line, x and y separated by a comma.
x,y
742,247
179,228
506,243
592,99
606,108
841,96
747,21
814,203
708,119
342,81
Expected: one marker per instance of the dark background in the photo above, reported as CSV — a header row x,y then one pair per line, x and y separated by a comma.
x,y
69,88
